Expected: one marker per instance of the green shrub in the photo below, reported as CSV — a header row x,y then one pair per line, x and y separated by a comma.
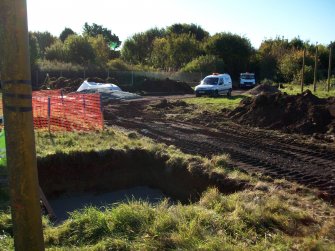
x,y
266,81
57,66
118,65
205,64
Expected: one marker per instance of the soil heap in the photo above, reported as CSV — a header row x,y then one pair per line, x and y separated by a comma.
x,y
163,86
67,84
303,113
263,88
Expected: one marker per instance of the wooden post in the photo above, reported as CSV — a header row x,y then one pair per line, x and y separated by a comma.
x,y
315,69
19,131
47,205
303,71
329,69
49,113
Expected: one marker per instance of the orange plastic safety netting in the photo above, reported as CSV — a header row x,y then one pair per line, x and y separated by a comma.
x,y
72,112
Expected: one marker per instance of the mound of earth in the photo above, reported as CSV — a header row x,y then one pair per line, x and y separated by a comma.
x,y
303,113
67,84
164,86
167,104
263,88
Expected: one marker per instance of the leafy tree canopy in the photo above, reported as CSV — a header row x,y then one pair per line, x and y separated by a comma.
x,y
138,48
44,40
79,50
189,29
233,49
95,30
65,33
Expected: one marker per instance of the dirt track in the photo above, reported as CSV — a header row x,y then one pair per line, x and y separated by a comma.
x,y
253,150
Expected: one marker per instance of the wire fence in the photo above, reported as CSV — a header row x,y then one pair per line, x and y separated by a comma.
x,y
39,77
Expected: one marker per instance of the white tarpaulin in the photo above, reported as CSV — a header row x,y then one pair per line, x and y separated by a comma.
x,y
92,85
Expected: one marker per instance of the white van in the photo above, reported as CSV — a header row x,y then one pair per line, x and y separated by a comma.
x,y
214,85
247,80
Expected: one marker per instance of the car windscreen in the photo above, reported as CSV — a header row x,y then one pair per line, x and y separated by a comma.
x,y
210,81
247,76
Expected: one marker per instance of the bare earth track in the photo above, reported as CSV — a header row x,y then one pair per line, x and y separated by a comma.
x,y
253,150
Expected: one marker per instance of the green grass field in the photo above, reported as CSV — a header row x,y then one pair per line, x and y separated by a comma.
x,y
215,104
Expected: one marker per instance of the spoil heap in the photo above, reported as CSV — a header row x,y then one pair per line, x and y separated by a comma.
x,y
303,113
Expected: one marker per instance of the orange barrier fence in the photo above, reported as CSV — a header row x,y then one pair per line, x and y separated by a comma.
x,y
71,112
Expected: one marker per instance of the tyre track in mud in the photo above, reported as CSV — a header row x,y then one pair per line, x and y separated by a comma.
x,y
250,150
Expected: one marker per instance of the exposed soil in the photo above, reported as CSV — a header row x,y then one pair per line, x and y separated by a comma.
x,y
303,113
302,159
163,86
263,88
114,170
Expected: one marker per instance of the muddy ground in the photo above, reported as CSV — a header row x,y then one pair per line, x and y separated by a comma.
x,y
301,158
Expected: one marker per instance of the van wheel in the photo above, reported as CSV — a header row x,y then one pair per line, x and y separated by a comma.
x,y
197,95
229,93
216,93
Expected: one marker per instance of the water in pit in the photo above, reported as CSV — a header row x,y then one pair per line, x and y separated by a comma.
x,y
66,204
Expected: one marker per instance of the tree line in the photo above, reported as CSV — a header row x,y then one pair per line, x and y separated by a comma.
x,y
180,47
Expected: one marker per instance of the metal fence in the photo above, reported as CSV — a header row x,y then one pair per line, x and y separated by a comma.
x,y
122,77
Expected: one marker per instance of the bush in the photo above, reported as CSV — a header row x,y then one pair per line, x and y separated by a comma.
x,y
266,81
57,66
57,52
118,65
205,64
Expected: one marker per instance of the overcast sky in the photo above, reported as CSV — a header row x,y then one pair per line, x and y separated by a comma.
x,y
312,20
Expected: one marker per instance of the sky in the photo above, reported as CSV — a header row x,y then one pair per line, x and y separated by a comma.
x,y
311,20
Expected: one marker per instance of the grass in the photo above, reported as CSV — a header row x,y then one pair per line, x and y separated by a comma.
x,y
275,215
321,90
216,104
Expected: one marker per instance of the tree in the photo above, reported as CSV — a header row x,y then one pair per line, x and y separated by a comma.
x,y
44,39
101,50
65,33
138,48
233,49
57,52
79,50
189,29
297,43
95,30
291,63
175,51
270,54
159,56
33,50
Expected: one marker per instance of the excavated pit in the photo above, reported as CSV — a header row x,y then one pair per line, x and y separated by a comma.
x,y
117,170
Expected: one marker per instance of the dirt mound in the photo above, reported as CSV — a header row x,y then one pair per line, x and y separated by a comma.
x,y
263,88
96,80
164,86
165,104
67,84
303,113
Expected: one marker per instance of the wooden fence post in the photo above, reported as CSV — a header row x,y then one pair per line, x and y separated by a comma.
x,y
329,69
315,68
303,71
